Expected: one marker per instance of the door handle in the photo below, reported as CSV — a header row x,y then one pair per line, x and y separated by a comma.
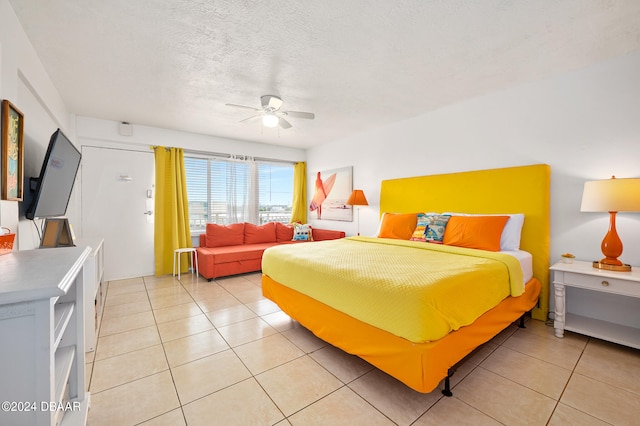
x,y
149,212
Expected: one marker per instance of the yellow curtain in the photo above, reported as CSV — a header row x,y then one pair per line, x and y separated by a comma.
x,y
171,223
299,207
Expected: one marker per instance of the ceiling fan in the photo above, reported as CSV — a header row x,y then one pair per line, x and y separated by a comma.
x,y
271,114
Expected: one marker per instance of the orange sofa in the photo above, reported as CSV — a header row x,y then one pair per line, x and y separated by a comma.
x,y
237,248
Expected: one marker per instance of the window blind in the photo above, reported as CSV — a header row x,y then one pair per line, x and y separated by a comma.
x,y
225,191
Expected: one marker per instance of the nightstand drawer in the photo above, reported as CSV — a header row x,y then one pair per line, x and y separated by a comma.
x,y
603,283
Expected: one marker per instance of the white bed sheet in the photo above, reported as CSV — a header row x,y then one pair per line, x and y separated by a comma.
x,y
526,262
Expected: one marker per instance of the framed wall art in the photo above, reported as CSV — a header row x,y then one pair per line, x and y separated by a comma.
x,y
331,191
12,147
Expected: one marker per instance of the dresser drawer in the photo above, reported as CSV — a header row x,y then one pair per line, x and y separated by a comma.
x,y
602,283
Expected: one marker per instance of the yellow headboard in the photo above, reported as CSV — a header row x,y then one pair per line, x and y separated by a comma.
x,y
509,190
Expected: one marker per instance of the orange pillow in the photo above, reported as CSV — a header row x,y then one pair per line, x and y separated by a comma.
x,y
398,226
254,234
477,232
220,235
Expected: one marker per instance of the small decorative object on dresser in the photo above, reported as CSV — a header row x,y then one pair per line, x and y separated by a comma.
x,y
6,240
606,284
567,257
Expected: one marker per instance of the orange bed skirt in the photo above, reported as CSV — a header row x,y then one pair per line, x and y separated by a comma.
x,y
420,366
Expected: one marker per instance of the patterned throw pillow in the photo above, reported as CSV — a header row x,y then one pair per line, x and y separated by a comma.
x,y
421,228
436,225
302,232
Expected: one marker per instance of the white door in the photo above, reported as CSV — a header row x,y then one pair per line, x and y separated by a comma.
x,y
117,205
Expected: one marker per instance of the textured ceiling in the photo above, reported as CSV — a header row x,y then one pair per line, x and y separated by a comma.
x,y
356,64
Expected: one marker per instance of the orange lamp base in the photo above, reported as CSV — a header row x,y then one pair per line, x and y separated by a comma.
x,y
612,249
619,268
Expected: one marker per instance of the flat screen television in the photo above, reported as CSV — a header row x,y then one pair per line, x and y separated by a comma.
x,y
57,176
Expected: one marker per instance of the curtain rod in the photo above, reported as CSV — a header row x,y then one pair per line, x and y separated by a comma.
x,y
116,144
230,156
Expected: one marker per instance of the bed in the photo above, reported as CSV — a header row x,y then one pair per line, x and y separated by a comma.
x,y
411,350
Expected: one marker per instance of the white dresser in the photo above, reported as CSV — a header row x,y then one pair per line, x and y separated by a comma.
x,y
42,333
617,289
94,290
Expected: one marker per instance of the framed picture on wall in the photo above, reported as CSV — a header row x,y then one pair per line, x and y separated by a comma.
x,y
12,147
331,191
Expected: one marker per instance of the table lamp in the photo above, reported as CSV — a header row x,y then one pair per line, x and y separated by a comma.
x,y
357,199
613,196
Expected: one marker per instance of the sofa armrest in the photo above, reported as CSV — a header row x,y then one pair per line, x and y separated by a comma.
x,y
326,234
203,240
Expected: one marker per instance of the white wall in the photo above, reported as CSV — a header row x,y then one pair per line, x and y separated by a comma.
x,y
585,124
25,83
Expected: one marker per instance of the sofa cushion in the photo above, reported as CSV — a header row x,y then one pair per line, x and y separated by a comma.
x,y
284,232
255,234
326,234
222,236
236,253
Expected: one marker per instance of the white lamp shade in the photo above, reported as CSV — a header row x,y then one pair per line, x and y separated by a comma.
x,y
611,195
270,120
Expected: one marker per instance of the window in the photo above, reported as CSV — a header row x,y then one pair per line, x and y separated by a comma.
x,y
228,191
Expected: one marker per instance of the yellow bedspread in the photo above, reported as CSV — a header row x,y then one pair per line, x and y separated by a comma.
x,y
414,290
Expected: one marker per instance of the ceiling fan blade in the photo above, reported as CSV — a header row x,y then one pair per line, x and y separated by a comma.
x,y
300,114
243,106
251,117
284,123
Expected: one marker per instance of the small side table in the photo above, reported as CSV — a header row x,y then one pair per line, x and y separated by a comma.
x,y
598,281
177,254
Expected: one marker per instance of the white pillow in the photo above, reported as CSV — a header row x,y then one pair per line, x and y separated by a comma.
x,y
510,238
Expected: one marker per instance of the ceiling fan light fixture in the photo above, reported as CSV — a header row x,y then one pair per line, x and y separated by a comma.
x,y
270,120
271,114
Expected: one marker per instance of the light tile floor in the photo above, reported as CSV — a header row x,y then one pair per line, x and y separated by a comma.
x,y
194,352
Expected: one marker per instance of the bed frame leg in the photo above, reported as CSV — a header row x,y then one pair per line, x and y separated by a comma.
x,y
447,384
447,380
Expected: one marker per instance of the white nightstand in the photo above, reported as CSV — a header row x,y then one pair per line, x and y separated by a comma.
x,y
582,275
